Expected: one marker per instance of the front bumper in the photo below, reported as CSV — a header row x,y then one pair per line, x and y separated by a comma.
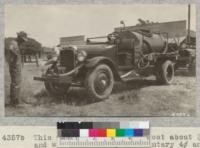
x,y
55,79
60,78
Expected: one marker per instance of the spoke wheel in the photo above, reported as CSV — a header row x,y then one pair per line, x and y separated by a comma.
x,y
56,89
99,82
165,72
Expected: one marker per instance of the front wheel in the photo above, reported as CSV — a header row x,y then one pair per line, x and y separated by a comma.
x,y
99,82
165,72
56,89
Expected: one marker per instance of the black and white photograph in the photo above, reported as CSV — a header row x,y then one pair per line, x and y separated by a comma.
x,y
97,60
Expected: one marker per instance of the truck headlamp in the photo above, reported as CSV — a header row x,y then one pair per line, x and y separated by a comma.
x,y
81,56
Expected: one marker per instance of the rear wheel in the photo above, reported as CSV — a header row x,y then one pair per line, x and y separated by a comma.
x,y
99,82
192,67
165,72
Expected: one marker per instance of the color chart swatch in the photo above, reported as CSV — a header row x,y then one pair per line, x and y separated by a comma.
x,y
102,133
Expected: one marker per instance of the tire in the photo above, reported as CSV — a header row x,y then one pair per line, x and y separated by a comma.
x,y
99,82
192,67
165,72
56,89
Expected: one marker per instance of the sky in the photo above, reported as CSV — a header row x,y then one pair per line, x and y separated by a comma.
x,y
47,23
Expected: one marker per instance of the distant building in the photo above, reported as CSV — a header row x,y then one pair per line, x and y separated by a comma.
x,y
47,50
72,40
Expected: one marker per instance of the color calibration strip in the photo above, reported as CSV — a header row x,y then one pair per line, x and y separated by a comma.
x,y
103,129
103,134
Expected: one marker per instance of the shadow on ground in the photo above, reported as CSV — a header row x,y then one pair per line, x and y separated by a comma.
x,y
185,73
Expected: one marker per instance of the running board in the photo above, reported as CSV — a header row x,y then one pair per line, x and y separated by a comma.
x,y
131,75
130,79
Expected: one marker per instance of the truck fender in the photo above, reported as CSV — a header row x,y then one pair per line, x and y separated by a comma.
x,y
92,63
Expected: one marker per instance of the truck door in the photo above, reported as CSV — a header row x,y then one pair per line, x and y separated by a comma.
x,y
126,54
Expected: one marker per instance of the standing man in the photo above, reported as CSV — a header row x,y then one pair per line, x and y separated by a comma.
x,y
15,65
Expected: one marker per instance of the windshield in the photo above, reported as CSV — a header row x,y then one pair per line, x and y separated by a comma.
x,y
101,39
109,39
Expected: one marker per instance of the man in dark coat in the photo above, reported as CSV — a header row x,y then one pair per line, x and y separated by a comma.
x,y
15,65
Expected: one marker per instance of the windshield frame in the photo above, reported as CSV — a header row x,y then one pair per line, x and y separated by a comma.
x,y
109,41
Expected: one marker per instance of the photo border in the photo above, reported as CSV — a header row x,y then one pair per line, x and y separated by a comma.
x,y
48,121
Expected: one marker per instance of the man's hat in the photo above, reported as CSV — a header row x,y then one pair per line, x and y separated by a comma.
x,y
22,34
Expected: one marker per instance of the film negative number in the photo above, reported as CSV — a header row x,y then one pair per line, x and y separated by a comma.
x,y
13,138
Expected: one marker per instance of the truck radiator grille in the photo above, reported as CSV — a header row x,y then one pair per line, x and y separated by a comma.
x,y
67,59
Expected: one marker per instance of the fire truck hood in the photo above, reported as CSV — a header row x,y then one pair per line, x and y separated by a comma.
x,y
95,48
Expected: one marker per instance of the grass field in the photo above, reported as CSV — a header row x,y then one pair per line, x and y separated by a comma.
x,y
135,98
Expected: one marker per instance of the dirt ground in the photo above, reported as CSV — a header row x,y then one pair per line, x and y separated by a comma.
x,y
135,98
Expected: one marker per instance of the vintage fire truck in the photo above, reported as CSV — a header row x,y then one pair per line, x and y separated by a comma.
x,y
123,56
